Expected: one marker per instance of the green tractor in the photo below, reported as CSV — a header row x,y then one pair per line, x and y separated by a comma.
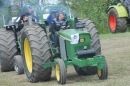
x,y
118,18
79,47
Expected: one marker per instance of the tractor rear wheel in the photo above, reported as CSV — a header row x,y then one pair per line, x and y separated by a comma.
x,y
35,52
8,49
116,24
95,43
18,65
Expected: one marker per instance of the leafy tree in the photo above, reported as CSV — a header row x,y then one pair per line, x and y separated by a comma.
x,y
1,3
93,9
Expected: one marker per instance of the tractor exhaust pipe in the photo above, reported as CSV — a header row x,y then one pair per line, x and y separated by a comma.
x,y
4,21
30,20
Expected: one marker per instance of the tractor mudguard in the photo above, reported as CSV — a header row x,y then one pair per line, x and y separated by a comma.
x,y
121,10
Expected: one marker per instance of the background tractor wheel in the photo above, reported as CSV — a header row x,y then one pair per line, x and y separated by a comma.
x,y
116,24
95,43
35,52
18,65
60,71
103,73
8,50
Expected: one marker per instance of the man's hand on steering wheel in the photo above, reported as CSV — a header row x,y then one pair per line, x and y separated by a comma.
x,y
63,27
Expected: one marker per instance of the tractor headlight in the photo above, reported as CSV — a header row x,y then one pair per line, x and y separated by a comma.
x,y
82,40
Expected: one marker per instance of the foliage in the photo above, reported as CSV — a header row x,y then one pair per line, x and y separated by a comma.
x,y
4,12
93,9
1,3
113,2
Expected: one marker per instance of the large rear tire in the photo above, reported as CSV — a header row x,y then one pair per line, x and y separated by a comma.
x,y
8,50
35,52
116,24
95,43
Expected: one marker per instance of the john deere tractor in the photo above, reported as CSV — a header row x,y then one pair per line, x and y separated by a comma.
x,y
118,18
79,46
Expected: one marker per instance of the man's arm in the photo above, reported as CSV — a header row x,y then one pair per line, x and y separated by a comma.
x,y
20,25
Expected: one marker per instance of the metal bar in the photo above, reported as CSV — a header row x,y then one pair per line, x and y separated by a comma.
x,y
3,20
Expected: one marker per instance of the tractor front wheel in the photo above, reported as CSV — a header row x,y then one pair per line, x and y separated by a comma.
x,y
60,71
18,65
116,24
103,73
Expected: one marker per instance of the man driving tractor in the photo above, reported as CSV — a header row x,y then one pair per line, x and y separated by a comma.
x,y
57,24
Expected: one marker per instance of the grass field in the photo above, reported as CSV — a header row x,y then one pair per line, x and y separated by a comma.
x,y
116,49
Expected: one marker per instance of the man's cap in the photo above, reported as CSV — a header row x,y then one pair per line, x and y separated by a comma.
x,y
61,12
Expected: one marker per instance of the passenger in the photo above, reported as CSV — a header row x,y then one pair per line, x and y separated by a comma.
x,y
23,19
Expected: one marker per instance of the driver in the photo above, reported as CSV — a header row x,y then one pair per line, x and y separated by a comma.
x,y
58,23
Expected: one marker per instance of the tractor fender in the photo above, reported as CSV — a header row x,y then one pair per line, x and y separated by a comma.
x,y
121,10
